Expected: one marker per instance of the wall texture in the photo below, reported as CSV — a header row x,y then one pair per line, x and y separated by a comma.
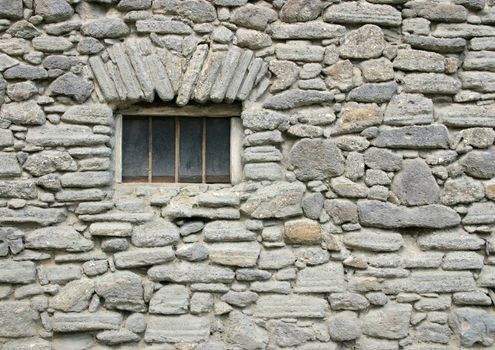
x,y
365,218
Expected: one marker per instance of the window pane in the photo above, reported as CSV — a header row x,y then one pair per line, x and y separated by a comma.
x,y
190,149
163,149
218,149
135,149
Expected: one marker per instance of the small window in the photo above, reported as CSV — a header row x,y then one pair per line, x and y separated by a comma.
x,y
185,148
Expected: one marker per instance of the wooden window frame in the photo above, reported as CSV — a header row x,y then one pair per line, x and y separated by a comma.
x,y
215,111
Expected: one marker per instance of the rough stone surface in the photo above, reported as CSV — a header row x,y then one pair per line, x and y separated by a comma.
x,y
316,160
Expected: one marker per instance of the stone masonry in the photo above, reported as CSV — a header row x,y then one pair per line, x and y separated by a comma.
x,y
365,218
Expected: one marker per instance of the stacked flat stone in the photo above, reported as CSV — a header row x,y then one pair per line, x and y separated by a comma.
x,y
365,217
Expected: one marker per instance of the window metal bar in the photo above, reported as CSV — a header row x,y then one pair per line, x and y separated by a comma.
x,y
177,149
203,152
150,148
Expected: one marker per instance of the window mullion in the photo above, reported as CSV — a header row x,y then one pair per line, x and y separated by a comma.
x,y
177,150
203,152
150,148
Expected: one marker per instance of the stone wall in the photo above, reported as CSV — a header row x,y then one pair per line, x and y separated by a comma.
x,y
365,218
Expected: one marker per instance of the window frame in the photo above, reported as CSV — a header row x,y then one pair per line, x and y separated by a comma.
x,y
232,112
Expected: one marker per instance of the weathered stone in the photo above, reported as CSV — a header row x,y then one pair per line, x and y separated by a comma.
x,y
144,257
312,205
88,114
376,158
21,91
163,27
480,213
420,61
348,188
348,301
263,171
112,229
454,239
326,278
461,190
130,5
462,261
464,30
61,237
10,165
86,179
177,329
415,184
87,321
265,120
432,282
440,12
297,98
377,70
157,233
73,86
480,164
51,44
198,11
458,115
64,135
374,92
387,215
276,258
302,231
374,240
252,39
105,28
242,331
121,290
474,326
365,42
343,75
308,30
356,117
290,306
286,73
53,10
344,326
23,113
368,343
74,296
27,344
357,13
300,11
47,162
170,300
34,215
391,322
11,9
240,299
431,136
316,159
190,272
235,254
18,189
279,200
440,45
17,272
409,109
431,83
472,298
288,334
24,324
252,16
89,46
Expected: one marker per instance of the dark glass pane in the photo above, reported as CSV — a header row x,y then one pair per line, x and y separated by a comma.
x,y
135,149
191,130
163,149
218,149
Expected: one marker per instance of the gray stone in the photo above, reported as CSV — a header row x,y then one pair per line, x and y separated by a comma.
x,y
252,16
23,113
487,277
478,81
6,62
481,60
347,188
357,13
227,231
198,11
431,83
22,189
21,91
105,28
191,272
462,261
51,44
144,257
387,215
312,205
10,165
163,27
409,109
265,120
276,258
463,189
344,326
368,343
316,160
463,30
478,137
300,10
432,282
89,46
177,329
53,10
121,290
297,98
87,321
472,298
308,30
157,233
324,278
240,299
110,229
61,237
454,239
27,344
376,158
458,115
117,337
415,184
242,331
480,213
288,334
17,272
170,300
193,252
25,319
89,114
243,254
356,117
343,75
11,9
440,12
252,39
73,86
341,211
431,136
420,61
74,296
374,240
286,73
440,45
365,42
290,306
130,5
374,92
263,171
279,200
15,46
474,326
136,323
46,162
348,301
33,215
62,274
480,164
391,322
86,179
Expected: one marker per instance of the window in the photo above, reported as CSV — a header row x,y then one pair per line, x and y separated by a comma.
x,y
192,144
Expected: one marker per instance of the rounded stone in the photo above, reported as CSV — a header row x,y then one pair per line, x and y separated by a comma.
x,y
344,326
